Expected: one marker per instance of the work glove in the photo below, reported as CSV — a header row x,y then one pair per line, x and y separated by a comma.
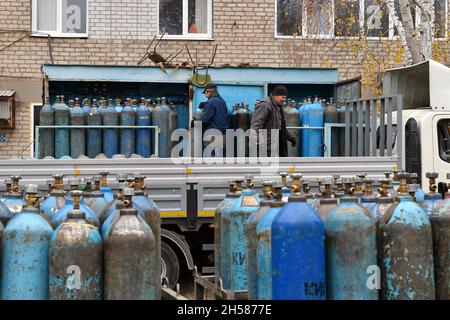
x,y
293,141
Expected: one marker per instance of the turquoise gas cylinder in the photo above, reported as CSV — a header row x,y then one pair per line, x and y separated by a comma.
x,y
351,249
25,246
224,208
234,265
408,268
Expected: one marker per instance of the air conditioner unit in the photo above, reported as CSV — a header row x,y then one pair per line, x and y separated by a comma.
x,y
7,109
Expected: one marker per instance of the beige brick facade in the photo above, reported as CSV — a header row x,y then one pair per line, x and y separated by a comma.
x,y
120,31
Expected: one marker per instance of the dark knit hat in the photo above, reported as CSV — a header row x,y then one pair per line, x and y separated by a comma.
x,y
280,91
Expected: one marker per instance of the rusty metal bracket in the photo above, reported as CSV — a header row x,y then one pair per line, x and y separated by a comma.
x,y
168,294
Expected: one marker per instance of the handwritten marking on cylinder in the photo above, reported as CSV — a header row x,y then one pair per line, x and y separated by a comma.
x,y
374,280
74,280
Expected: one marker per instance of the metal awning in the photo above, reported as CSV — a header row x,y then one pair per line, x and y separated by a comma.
x,y
7,93
422,85
229,75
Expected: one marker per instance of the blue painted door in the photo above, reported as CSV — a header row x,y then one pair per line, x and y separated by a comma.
x,y
233,94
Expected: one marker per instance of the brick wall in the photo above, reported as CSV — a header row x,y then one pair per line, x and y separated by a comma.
x,y
120,31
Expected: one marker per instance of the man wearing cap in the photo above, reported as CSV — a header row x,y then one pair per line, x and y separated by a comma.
x,y
215,111
268,114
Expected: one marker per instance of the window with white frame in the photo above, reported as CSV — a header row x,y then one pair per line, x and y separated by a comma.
x,y
185,18
346,18
304,18
65,18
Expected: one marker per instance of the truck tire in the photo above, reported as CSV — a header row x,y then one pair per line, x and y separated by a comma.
x,y
170,266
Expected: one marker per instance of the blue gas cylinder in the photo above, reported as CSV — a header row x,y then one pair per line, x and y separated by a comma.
x,y
183,114
350,249
127,141
298,248
25,246
143,136
110,135
62,118
312,139
160,118
75,243
94,136
264,249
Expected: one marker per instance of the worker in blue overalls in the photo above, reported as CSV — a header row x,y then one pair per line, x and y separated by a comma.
x,y
215,115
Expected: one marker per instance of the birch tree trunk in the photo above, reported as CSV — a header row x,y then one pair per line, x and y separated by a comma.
x,y
410,32
426,28
399,27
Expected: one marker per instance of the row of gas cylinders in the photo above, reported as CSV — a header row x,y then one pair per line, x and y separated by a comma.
x,y
311,114
343,243
81,245
76,143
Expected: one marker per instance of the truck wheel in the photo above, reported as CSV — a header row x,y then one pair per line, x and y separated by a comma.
x,y
170,266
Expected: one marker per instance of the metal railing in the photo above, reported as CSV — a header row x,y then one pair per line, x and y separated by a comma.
x,y
156,133
363,120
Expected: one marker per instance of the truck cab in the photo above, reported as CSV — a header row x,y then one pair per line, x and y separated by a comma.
x,y
425,118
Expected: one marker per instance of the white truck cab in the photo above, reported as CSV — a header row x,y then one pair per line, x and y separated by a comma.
x,y
425,89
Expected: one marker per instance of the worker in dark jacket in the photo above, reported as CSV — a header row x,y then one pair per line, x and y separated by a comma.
x,y
215,112
268,114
